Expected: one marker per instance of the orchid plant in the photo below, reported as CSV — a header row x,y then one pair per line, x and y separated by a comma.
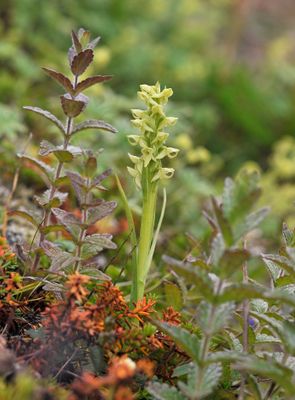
x,y
148,172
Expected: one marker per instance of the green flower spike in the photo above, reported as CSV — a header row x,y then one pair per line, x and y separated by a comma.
x,y
148,172
152,140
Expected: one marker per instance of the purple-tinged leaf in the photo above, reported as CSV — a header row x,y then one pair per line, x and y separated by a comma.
x,y
71,54
94,124
79,185
76,42
63,155
93,43
46,148
71,223
27,215
93,244
83,36
98,261
60,259
101,211
94,273
223,224
47,115
61,79
81,61
45,168
56,201
90,165
91,81
52,228
98,179
73,107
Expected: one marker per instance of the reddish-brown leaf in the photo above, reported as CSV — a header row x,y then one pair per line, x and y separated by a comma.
x,y
94,124
91,81
81,61
76,42
73,107
60,78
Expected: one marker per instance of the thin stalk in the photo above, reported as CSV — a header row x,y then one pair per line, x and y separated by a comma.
x,y
132,235
146,235
83,230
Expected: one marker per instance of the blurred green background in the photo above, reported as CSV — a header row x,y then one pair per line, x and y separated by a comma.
x,y
231,64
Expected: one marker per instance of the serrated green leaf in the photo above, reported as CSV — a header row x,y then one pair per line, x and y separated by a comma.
x,y
194,275
201,382
231,261
187,341
269,368
212,324
222,223
162,391
217,249
280,262
251,221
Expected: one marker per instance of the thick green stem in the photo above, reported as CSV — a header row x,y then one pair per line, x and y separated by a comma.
x,y
145,238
